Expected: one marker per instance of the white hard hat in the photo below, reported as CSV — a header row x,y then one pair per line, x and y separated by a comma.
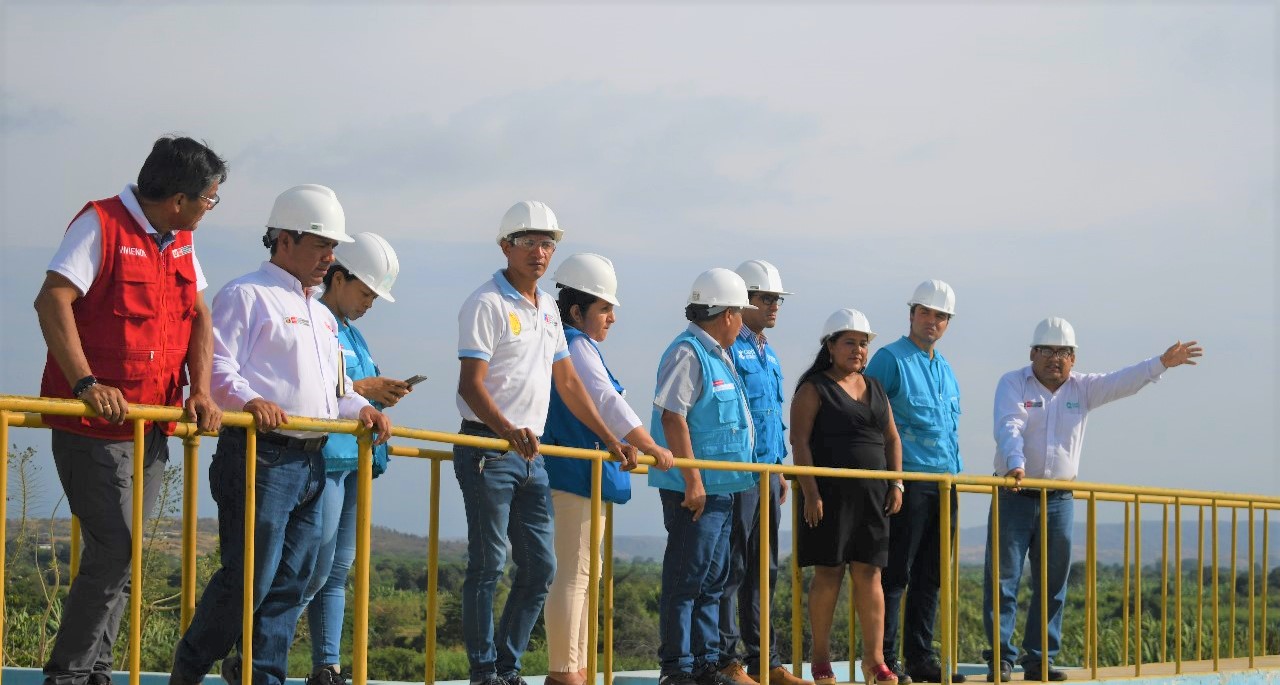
x,y
1054,331
719,288
310,208
761,276
935,294
370,258
589,273
847,320
529,215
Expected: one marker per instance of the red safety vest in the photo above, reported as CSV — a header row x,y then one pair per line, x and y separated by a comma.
x,y
134,322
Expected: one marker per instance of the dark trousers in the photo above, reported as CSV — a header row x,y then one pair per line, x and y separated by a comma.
x,y
97,476
913,565
740,603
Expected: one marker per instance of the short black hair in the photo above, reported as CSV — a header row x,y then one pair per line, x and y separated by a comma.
x,y
569,297
703,312
271,240
912,311
335,268
179,165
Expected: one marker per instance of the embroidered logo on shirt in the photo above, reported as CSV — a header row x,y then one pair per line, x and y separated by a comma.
x,y
133,251
184,250
1033,404
746,354
297,320
719,385
1073,405
514,320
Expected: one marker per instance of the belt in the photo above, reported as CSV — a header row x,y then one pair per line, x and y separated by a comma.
x,y
292,443
469,426
1053,494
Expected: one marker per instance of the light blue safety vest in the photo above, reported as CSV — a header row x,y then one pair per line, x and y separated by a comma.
x,y
926,405
762,382
718,426
341,452
563,428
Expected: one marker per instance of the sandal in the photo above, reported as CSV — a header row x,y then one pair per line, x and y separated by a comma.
x,y
880,674
822,674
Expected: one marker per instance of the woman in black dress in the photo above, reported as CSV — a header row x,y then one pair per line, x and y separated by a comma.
x,y
841,419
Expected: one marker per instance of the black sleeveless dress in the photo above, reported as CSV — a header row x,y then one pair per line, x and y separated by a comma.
x,y
847,434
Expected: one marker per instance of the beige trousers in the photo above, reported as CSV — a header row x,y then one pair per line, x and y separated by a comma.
x,y
566,607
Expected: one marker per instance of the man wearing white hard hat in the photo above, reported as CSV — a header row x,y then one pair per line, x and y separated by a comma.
x,y
700,411
1040,415
363,271
926,407
511,346
276,354
761,375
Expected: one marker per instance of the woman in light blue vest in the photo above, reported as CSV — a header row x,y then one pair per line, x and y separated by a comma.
x,y
588,294
700,411
363,271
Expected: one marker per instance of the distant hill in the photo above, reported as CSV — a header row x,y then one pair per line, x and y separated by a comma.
x,y
389,542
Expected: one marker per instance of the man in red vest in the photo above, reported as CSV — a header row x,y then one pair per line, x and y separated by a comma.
x,y
125,322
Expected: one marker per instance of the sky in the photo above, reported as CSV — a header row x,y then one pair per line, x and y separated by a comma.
x,y
1111,163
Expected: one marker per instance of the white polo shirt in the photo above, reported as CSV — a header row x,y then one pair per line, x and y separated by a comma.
x,y
273,339
79,256
1042,431
520,341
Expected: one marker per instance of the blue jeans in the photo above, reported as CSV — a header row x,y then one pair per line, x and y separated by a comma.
x,y
286,537
913,562
695,568
329,580
1020,539
504,496
741,598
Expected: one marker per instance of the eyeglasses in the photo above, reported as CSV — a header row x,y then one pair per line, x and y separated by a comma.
x,y
769,299
213,201
531,243
1055,352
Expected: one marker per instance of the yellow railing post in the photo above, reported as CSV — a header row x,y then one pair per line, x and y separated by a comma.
x,y
250,525
1164,586
1044,585
1266,573
797,598
1177,585
955,588
607,572
4,528
1252,561
364,515
190,479
75,546
135,558
765,513
1091,552
1137,585
1231,592
433,571
944,569
593,577
993,530
1200,586
1217,595
1124,604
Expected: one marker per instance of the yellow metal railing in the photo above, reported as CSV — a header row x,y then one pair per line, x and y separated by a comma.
x,y
24,412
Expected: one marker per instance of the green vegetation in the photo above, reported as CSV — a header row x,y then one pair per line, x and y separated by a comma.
x,y
38,574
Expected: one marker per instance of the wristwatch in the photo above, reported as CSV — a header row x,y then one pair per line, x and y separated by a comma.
x,y
83,384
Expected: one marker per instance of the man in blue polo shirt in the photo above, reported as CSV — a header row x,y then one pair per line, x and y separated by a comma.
x,y
511,345
926,409
761,377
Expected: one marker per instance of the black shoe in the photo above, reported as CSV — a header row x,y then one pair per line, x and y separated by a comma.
x,y
930,671
712,676
1032,672
326,676
99,678
1006,672
491,679
678,678
513,679
896,666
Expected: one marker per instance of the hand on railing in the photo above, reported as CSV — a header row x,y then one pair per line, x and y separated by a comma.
x,y
267,414
381,425
109,402
1017,475
206,413
523,442
663,460
627,454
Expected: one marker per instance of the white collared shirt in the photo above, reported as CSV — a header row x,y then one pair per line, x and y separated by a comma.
x,y
520,341
79,256
272,339
613,408
1042,431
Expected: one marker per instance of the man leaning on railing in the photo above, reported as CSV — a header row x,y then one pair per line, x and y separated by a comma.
x,y
122,313
1040,415
276,355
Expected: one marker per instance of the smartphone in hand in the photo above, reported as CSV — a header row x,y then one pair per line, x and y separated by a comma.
x,y
415,380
